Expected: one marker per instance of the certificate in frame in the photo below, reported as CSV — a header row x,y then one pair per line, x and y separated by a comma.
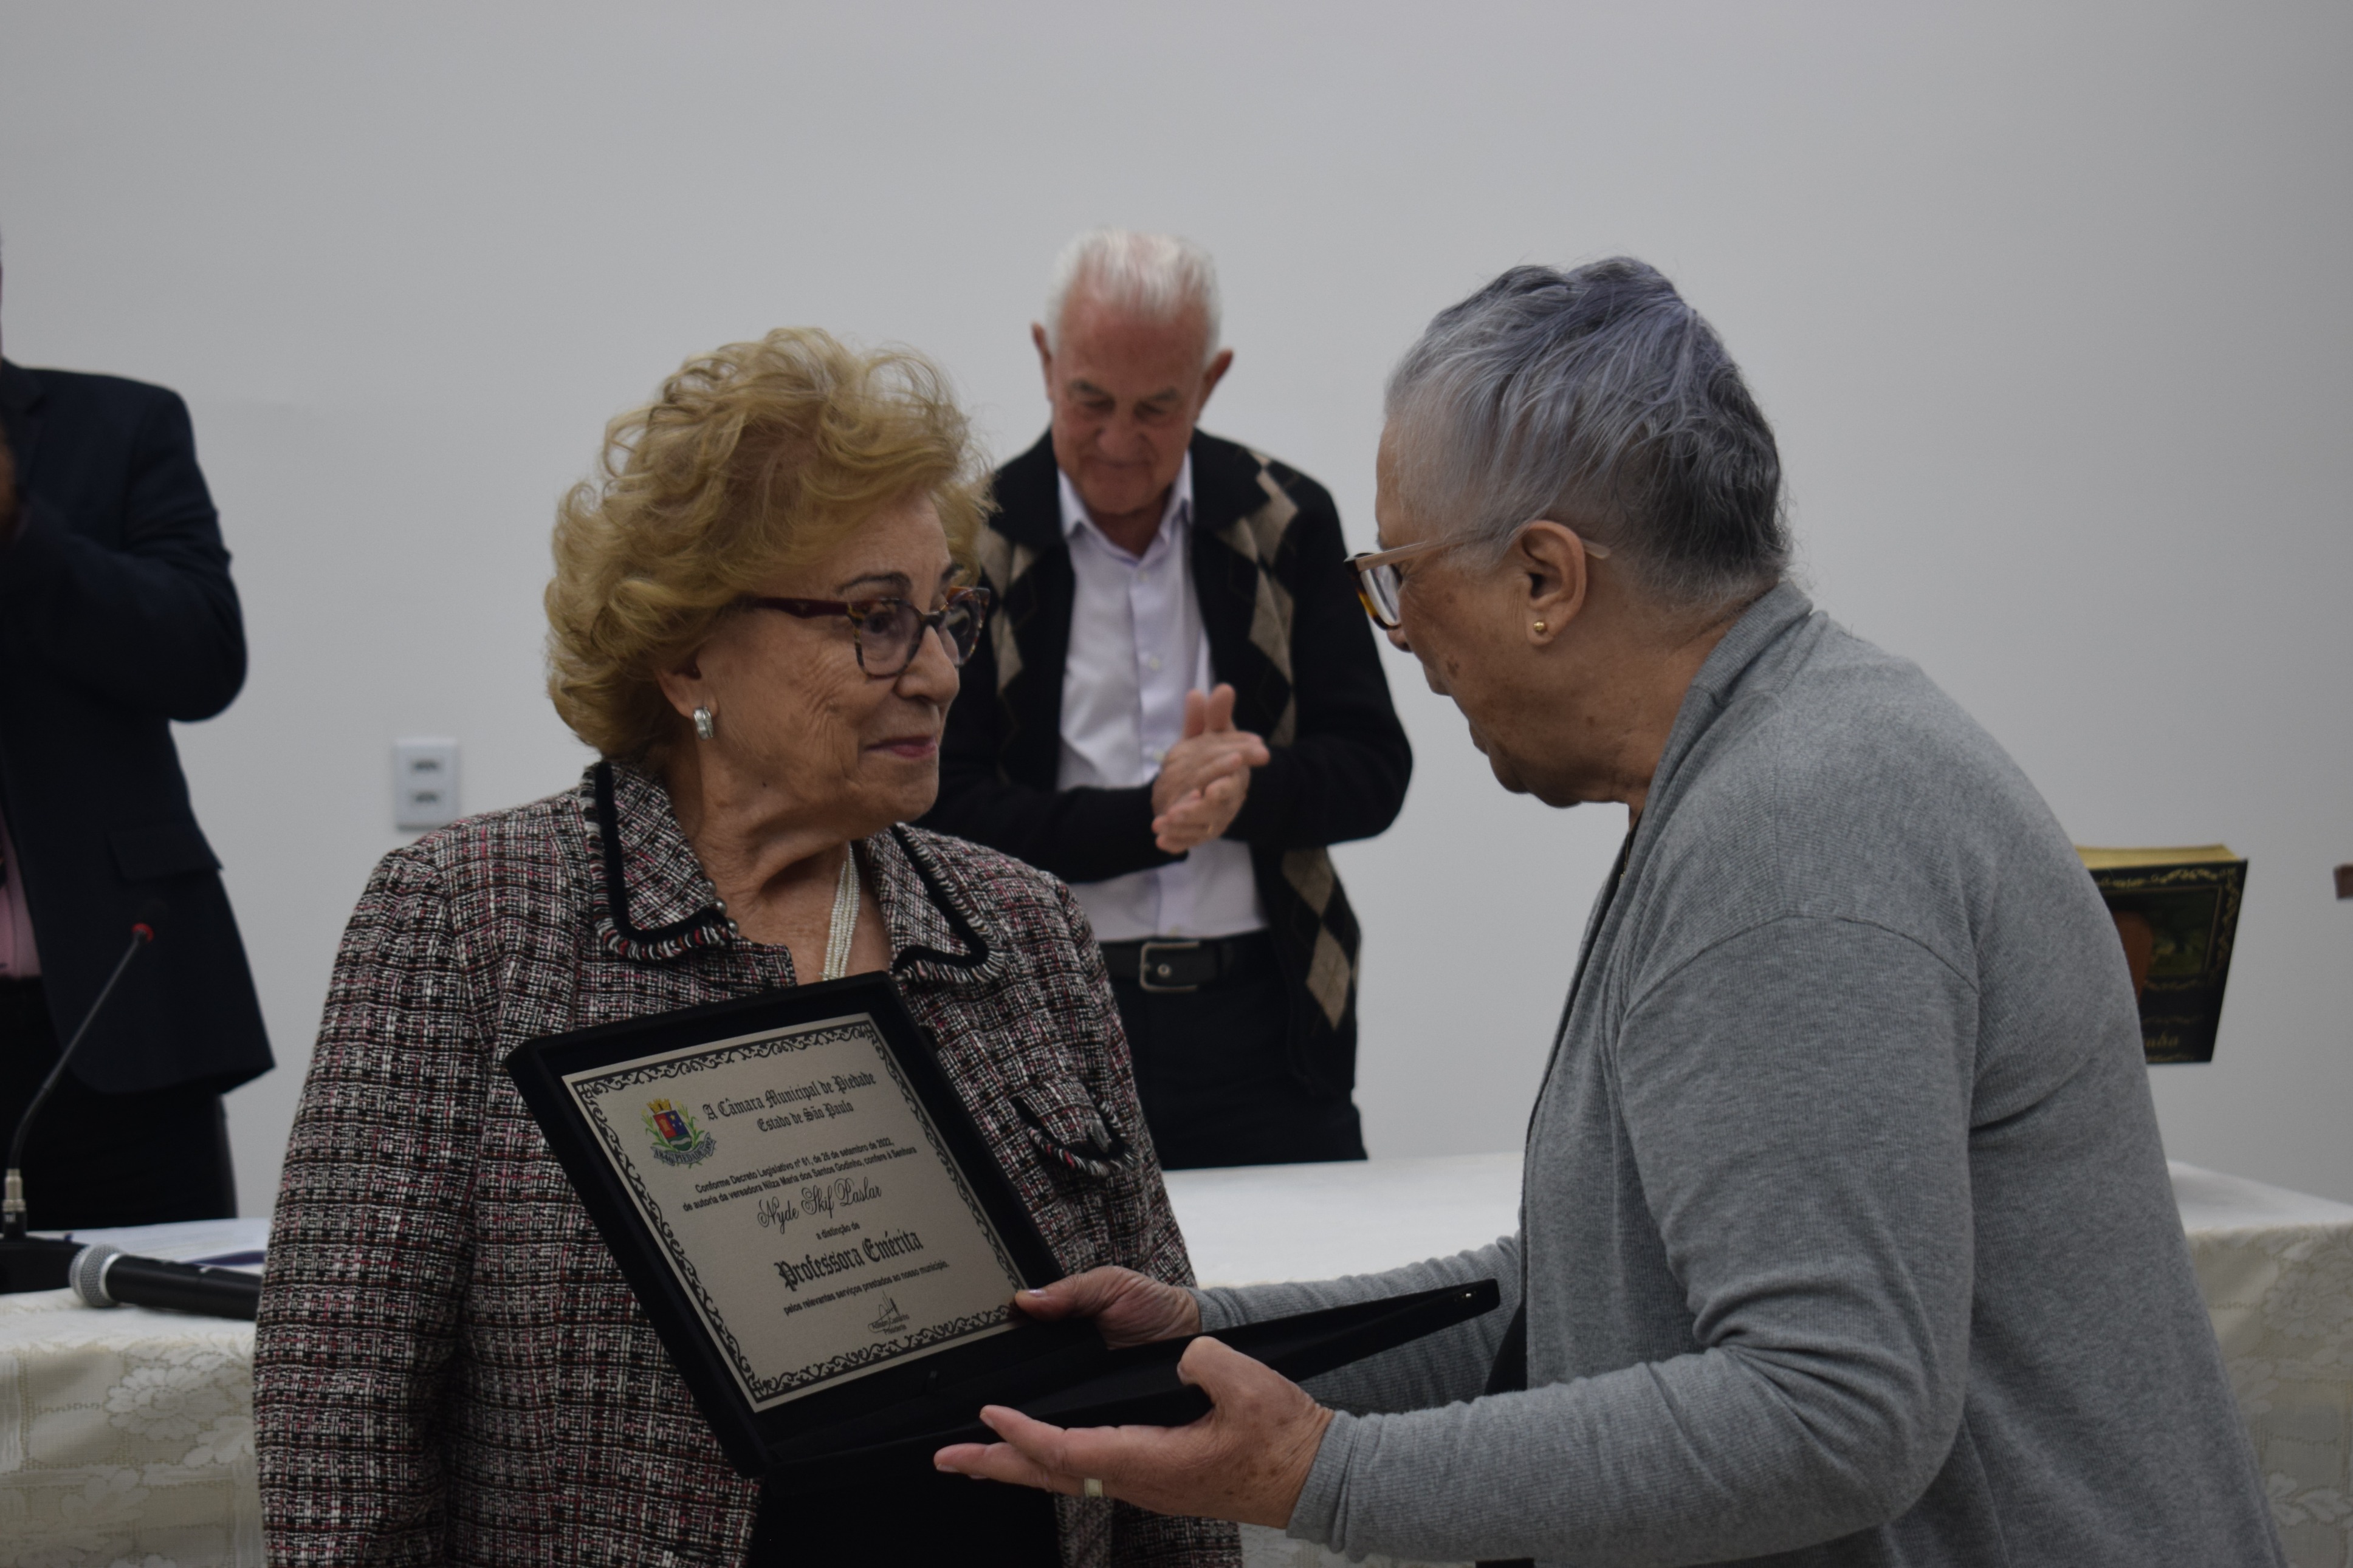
x,y
824,1346
801,1201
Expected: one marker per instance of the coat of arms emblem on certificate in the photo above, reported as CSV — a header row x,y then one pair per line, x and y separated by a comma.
x,y
677,1140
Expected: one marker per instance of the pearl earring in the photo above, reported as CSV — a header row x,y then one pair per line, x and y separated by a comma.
x,y
705,726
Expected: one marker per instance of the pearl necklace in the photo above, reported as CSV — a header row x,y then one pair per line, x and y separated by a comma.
x,y
844,925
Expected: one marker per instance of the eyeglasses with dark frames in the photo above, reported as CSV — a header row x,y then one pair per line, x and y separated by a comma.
x,y
888,632
1378,581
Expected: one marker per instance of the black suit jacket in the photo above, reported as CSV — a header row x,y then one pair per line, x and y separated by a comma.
x,y
116,617
1280,611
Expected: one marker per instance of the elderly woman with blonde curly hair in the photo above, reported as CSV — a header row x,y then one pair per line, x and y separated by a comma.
x,y
758,616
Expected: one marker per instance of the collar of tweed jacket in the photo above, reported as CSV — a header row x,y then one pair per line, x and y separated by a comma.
x,y
653,902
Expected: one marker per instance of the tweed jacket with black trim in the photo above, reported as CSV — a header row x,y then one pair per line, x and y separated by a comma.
x,y
449,1368
1279,610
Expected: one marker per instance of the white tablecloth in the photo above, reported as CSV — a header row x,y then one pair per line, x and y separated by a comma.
x,y
126,1437
2276,1271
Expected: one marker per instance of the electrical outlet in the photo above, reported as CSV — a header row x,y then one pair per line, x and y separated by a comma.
x,y
424,783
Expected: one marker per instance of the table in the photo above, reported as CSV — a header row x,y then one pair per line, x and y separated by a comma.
x,y
2276,1271
127,1436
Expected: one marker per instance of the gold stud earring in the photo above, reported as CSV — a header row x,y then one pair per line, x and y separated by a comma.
x,y
1540,627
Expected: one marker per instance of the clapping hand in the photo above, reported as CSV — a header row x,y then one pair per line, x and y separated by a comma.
x,y
1204,777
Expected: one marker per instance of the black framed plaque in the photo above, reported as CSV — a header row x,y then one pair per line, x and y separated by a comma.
x,y
827,1248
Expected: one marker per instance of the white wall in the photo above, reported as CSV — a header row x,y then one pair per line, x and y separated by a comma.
x,y
2049,305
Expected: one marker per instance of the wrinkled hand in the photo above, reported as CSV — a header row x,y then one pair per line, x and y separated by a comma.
x,y
1204,814
1246,1460
1204,777
1128,1307
1210,749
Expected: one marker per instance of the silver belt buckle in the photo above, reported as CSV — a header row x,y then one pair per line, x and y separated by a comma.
x,y
1145,975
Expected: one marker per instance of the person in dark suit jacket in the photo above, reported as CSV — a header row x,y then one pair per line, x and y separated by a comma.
x,y
117,616
1178,709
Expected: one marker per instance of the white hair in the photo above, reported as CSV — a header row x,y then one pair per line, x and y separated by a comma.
x,y
1601,399
1159,276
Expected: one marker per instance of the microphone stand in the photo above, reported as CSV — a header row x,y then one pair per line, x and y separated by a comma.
x,y
32,1263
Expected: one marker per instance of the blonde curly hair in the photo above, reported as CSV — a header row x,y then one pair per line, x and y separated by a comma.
x,y
756,458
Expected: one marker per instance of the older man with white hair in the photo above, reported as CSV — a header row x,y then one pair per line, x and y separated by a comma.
x,y
1845,1234
1179,710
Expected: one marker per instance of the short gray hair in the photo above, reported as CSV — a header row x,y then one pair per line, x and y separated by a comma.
x,y
1159,276
1599,399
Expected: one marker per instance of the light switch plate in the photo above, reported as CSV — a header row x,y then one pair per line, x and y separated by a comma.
x,y
424,783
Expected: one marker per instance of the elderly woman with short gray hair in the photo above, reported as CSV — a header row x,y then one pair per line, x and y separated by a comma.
x,y
1846,1234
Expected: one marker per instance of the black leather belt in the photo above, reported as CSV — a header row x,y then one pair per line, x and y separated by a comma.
x,y
1185,963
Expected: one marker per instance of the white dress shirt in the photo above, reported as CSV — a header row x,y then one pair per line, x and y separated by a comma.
x,y
1136,648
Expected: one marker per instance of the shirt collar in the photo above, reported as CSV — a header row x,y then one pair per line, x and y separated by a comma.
x,y
1175,517
652,903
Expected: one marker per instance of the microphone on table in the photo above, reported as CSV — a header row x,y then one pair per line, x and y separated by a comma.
x,y
29,1263
105,1276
